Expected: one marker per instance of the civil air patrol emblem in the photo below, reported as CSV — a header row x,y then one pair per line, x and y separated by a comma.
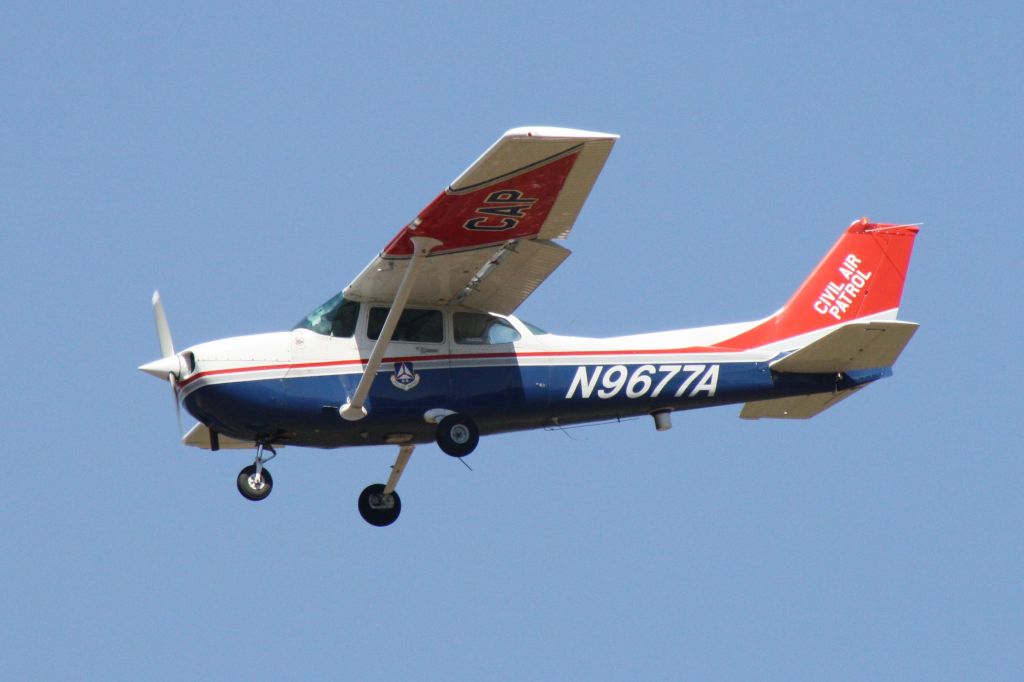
x,y
404,377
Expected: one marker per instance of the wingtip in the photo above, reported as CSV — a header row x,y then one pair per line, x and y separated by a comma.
x,y
556,132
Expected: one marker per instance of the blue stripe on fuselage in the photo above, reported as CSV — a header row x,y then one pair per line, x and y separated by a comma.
x,y
506,397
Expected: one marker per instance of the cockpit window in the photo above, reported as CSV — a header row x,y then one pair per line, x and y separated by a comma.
x,y
336,317
473,328
422,326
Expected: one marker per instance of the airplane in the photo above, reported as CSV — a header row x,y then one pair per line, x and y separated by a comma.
x,y
423,346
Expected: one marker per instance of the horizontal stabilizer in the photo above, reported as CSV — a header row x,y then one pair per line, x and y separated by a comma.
x,y
199,436
854,346
795,407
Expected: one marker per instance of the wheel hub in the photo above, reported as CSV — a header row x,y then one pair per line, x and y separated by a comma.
x,y
460,434
381,501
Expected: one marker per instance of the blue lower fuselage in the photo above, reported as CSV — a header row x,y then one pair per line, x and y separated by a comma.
x,y
498,396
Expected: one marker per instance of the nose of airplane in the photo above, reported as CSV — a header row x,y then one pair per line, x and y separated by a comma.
x,y
163,367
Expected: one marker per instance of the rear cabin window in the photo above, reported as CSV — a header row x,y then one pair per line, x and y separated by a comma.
x,y
477,328
422,326
336,317
534,329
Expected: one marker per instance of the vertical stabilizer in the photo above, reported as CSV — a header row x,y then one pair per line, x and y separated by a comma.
x,y
861,278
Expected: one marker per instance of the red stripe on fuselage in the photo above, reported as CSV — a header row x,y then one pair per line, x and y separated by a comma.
x,y
463,356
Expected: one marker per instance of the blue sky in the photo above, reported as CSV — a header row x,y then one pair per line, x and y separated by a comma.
x,y
249,160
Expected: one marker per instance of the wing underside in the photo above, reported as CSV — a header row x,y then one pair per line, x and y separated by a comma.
x,y
493,278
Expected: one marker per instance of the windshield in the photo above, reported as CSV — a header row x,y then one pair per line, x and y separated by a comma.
x,y
336,317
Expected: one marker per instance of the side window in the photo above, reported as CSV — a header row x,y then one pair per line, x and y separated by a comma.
x,y
479,328
423,326
501,331
470,327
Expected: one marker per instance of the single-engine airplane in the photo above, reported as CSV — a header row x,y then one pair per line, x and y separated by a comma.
x,y
423,347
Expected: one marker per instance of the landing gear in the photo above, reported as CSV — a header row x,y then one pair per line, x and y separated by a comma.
x,y
378,509
379,504
457,435
254,485
254,481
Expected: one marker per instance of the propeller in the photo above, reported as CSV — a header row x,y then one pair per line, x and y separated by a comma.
x,y
169,366
163,331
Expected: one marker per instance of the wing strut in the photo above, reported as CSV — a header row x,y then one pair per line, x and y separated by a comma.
x,y
354,409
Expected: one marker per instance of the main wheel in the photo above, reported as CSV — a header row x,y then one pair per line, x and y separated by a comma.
x,y
378,509
457,435
252,486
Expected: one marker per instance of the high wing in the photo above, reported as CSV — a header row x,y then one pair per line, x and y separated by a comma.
x,y
494,224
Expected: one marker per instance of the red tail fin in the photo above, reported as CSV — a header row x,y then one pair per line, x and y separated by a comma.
x,y
862,276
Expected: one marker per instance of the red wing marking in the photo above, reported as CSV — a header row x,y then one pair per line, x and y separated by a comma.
x,y
514,206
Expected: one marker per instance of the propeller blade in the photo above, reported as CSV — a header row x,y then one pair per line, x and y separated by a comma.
x,y
173,381
170,366
163,331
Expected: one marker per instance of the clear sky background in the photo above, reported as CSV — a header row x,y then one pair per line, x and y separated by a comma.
x,y
249,160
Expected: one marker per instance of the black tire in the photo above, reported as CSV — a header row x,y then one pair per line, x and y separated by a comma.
x,y
371,509
457,435
248,487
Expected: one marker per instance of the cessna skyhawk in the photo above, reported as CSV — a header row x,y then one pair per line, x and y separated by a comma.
x,y
422,346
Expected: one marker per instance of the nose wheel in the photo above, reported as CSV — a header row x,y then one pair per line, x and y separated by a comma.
x,y
255,481
377,508
379,504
